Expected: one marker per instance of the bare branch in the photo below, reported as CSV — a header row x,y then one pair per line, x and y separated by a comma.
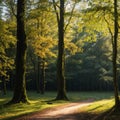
x,y
109,30
12,9
70,17
55,5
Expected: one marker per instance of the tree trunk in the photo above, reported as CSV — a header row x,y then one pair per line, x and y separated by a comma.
x,y
38,76
43,77
115,79
4,86
60,62
20,84
4,89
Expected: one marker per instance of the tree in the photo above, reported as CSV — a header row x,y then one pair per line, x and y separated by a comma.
x,y
43,49
115,43
20,86
7,42
60,60
112,12
60,15
42,39
105,12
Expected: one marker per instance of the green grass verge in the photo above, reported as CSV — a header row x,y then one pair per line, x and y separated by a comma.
x,y
101,110
100,106
98,109
37,103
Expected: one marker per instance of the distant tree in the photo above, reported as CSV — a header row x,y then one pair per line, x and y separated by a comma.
x,y
43,49
42,39
20,86
92,58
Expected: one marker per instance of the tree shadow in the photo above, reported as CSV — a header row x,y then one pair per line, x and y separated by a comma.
x,y
111,114
52,101
77,116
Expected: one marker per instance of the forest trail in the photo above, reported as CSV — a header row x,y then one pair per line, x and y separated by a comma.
x,y
69,111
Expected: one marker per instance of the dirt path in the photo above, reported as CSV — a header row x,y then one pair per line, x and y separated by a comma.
x,y
64,112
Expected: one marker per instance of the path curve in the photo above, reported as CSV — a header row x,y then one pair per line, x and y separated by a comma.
x,y
63,112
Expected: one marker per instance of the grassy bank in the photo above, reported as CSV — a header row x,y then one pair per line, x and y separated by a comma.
x,y
38,102
100,106
100,109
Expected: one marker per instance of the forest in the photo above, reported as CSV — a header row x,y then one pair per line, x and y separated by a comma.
x,y
59,46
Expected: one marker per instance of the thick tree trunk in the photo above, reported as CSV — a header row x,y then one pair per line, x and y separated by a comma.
x,y
20,86
115,80
60,62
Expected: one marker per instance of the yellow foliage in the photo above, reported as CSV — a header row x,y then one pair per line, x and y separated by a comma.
x,y
6,40
42,46
70,47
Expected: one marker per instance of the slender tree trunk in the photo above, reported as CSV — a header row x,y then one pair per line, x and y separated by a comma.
x,y
43,77
38,76
60,62
35,74
115,79
20,85
4,87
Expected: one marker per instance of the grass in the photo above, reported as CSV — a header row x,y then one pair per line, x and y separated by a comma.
x,y
77,96
100,106
101,110
38,102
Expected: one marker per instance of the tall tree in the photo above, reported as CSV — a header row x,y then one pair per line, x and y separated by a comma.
x,y
60,15
60,61
20,86
115,41
108,13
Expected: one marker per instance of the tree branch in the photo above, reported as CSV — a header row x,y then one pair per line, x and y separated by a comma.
x,y
12,9
109,30
54,5
70,17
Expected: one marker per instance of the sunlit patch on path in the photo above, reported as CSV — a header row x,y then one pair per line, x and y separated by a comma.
x,y
65,112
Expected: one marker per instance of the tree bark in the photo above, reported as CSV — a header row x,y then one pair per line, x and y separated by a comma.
x,y
60,61
20,84
115,79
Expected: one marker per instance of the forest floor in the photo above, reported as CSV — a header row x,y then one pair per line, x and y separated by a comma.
x,y
70,111
82,106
